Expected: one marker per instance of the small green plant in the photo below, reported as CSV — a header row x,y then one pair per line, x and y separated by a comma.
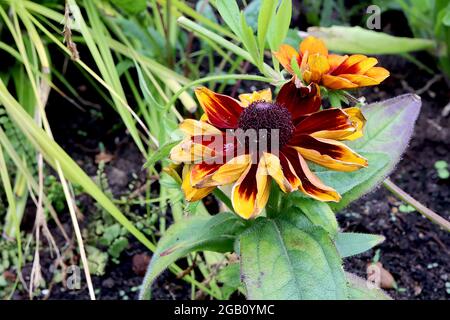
x,y
441,167
406,208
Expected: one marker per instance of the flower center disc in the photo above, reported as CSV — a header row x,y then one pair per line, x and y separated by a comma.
x,y
274,118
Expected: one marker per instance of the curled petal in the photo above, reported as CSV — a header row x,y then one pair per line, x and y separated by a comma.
x,y
232,170
249,98
196,128
285,55
251,192
317,66
299,100
309,184
379,74
189,152
329,153
174,170
358,121
275,170
313,45
222,111
191,193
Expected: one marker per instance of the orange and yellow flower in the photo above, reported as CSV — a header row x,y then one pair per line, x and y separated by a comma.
x,y
330,70
211,158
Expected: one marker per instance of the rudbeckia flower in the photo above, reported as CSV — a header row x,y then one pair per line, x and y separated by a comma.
x,y
330,70
214,155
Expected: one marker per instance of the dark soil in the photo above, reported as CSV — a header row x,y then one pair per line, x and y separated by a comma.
x,y
416,252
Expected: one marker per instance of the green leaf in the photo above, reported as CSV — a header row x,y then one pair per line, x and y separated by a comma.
x,y
216,233
204,8
117,247
319,213
293,38
335,98
151,101
358,289
230,13
230,276
349,244
161,153
97,260
360,40
131,6
441,164
389,128
279,26
251,13
249,41
266,12
281,261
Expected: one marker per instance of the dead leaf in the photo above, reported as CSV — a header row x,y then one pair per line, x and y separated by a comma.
x,y
103,157
140,263
417,290
9,276
380,276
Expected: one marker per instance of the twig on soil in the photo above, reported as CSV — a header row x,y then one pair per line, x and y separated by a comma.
x,y
429,84
446,110
425,88
402,195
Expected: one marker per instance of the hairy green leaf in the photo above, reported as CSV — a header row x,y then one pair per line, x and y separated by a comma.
x,y
346,182
349,244
281,261
319,213
389,128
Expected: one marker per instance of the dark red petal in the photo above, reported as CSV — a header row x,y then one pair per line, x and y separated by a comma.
x,y
299,100
223,111
201,171
310,183
330,153
325,120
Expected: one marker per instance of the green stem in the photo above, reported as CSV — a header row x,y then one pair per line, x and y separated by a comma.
x,y
273,205
196,28
402,195
224,198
